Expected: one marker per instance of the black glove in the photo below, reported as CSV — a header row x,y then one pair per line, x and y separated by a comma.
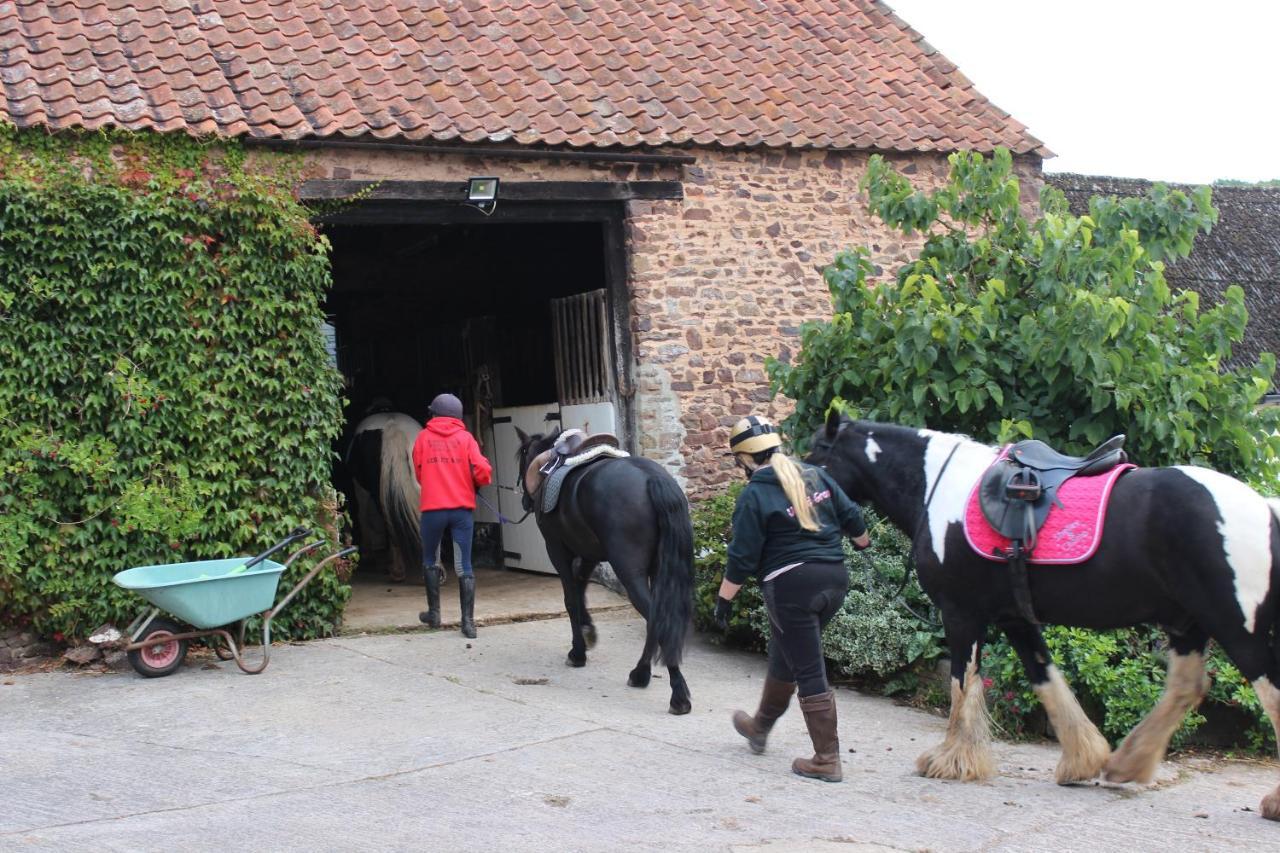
x,y
724,609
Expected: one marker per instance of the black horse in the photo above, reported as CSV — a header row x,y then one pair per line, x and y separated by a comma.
x,y
1185,548
630,512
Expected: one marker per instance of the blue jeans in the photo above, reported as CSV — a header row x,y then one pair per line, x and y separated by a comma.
x,y
460,524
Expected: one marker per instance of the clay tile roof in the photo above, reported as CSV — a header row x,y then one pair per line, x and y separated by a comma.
x,y
733,73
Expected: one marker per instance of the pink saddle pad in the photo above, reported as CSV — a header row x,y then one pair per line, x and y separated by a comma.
x,y
1071,532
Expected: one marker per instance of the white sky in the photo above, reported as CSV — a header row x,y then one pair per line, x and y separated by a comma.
x,y
1176,90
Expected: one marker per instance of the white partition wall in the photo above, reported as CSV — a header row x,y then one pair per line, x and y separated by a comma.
x,y
522,544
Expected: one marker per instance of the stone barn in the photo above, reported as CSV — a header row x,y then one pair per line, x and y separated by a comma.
x,y
670,176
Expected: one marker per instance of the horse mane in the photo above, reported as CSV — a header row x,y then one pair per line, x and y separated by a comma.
x,y
532,446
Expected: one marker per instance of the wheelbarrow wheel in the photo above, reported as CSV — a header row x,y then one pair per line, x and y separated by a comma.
x,y
163,654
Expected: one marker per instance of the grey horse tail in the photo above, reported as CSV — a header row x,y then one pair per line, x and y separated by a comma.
x,y
672,610
398,493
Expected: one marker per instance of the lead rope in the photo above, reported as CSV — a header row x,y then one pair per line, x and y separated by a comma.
x,y
909,561
502,519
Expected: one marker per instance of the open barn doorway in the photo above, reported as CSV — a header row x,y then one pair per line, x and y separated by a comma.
x,y
477,309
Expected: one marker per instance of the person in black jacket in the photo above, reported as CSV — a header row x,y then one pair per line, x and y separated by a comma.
x,y
787,531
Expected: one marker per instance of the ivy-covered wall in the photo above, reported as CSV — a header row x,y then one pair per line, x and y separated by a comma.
x,y
165,394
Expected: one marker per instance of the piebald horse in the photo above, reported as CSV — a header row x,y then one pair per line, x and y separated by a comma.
x,y
1185,548
380,459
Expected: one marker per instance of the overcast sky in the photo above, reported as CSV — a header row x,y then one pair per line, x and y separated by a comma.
x,y
1168,90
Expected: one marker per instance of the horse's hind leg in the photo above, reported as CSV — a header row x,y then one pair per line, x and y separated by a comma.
x,y
965,753
1186,684
1269,696
636,583
637,589
1256,653
1084,749
643,671
582,571
681,701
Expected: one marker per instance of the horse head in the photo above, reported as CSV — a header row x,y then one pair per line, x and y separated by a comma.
x,y
531,446
840,447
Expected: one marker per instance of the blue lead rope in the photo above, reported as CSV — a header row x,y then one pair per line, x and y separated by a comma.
x,y
502,519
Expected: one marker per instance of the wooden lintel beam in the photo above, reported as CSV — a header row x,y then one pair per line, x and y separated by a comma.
x,y
508,191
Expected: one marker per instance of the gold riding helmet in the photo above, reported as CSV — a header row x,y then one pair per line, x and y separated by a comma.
x,y
752,435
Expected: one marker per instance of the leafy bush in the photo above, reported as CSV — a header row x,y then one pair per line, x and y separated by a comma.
x,y
871,637
1061,328
1118,677
164,387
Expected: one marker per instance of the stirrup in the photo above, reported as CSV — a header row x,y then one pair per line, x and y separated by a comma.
x,y
1023,485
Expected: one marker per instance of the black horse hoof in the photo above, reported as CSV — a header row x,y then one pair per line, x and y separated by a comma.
x,y
589,635
637,678
570,660
680,707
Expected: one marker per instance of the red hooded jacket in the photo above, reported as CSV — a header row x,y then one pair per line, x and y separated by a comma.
x,y
449,466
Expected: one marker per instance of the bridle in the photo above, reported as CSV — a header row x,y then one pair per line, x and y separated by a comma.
x,y
908,561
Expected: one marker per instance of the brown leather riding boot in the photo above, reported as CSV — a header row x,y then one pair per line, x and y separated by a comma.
x,y
820,718
775,696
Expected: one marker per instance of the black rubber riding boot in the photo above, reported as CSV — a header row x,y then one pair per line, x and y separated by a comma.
x,y
431,616
820,718
467,597
775,696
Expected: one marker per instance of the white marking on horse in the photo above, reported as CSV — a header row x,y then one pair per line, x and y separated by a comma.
x,y
951,492
1245,526
873,449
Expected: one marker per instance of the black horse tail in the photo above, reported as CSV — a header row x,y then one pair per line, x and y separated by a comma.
x,y
398,493
671,611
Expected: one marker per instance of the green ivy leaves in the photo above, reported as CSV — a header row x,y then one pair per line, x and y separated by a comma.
x,y
164,387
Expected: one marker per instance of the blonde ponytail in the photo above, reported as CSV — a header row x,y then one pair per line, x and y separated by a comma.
x,y
793,486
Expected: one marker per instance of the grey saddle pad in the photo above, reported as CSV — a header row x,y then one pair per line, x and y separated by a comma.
x,y
551,491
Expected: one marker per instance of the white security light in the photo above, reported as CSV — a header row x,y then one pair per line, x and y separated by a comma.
x,y
482,194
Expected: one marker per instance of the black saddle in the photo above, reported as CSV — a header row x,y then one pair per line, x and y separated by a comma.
x,y
1017,492
1041,457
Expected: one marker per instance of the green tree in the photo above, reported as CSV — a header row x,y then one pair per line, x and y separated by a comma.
x,y
1059,327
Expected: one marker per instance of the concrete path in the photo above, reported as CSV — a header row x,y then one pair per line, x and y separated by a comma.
x,y
427,742
502,595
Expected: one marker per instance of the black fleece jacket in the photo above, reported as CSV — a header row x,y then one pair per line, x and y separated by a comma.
x,y
767,535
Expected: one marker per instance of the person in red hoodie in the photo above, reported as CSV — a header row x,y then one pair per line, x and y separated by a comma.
x,y
449,467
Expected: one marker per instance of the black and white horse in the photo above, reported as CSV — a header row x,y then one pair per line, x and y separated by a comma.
x,y
1185,548
631,513
380,460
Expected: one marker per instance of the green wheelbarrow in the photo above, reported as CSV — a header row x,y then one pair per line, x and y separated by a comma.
x,y
210,598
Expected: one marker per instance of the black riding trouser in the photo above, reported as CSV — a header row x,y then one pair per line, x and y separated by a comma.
x,y
801,601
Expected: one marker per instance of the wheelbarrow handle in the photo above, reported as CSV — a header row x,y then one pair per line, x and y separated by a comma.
x,y
315,570
294,535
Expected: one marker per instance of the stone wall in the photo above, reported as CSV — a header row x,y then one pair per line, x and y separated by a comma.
x,y
719,281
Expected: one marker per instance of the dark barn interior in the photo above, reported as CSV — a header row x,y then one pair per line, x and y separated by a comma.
x,y
421,309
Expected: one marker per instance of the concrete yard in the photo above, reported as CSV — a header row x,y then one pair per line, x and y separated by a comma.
x,y
425,741
502,595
